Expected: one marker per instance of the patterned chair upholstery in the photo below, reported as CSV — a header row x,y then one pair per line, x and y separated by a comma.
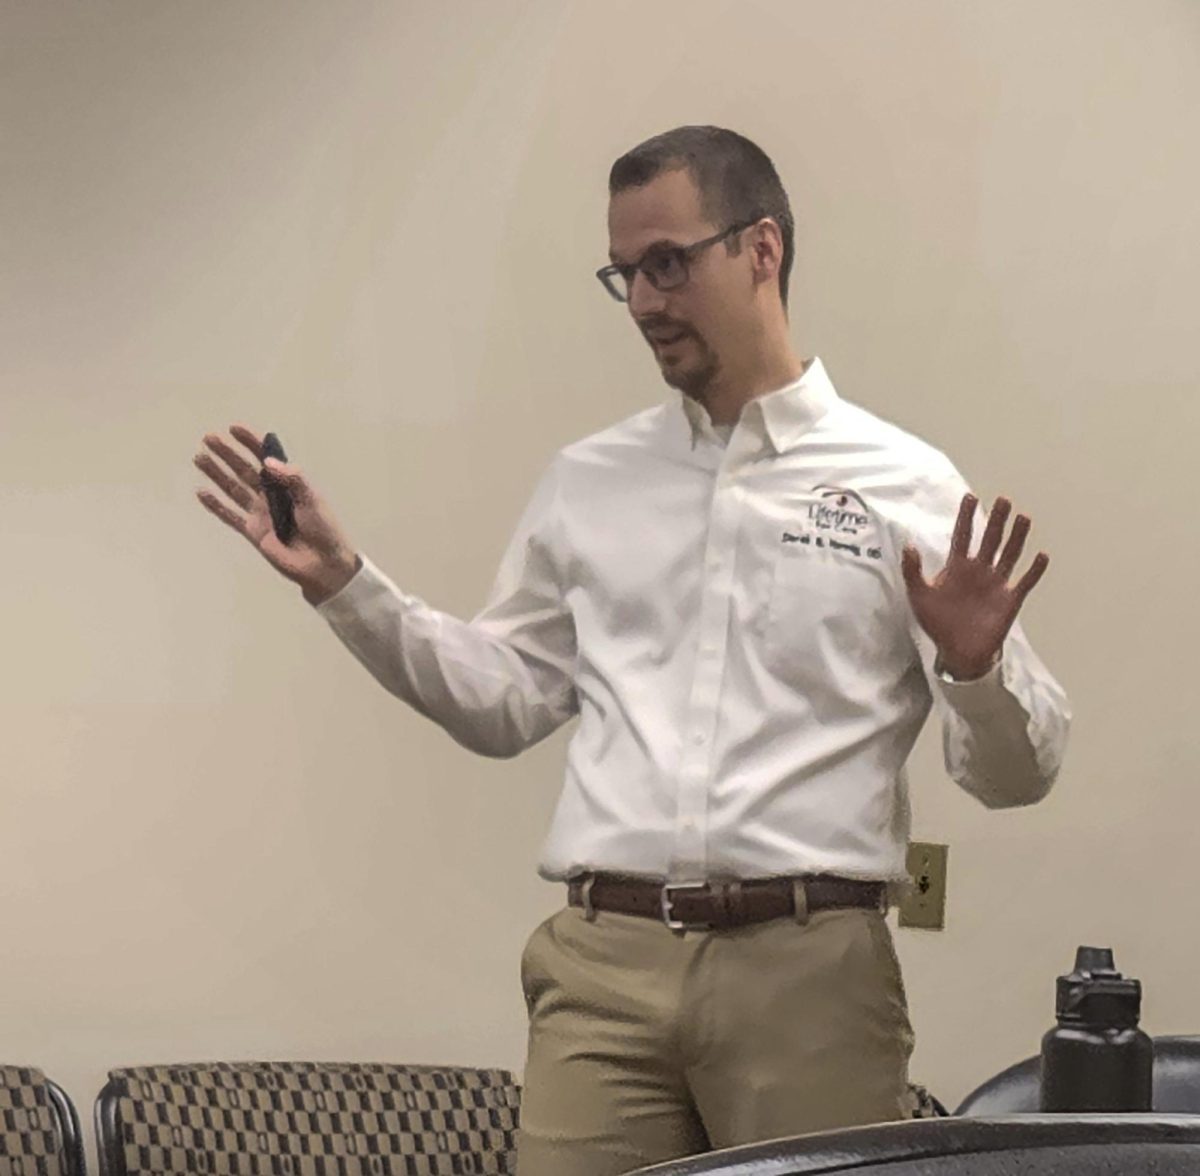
x,y
39,1126
307,1119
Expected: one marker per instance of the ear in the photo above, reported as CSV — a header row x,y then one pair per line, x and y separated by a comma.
x,y
768,237
765,240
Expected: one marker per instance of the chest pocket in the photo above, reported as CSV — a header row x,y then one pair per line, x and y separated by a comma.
x,y
827,606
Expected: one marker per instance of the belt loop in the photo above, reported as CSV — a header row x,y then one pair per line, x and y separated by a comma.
x,y
800,901
585,892
737,907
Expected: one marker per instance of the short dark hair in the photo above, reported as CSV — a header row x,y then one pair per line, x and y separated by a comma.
x,y
736,180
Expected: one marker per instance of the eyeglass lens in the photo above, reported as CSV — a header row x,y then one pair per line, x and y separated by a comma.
x,y
664,270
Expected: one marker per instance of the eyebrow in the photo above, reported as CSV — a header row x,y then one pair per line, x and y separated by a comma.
x,y
653,245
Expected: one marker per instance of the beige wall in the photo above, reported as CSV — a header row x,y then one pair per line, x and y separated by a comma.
x,y
373,228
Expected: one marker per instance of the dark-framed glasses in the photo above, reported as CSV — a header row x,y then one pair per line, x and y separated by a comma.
x,y
667,268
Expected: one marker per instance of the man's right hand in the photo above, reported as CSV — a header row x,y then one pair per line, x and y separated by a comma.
x,y
319,557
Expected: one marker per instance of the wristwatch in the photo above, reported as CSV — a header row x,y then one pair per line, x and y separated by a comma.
x,y
947,676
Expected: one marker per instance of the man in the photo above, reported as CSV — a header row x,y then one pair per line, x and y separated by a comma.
x,y
728,589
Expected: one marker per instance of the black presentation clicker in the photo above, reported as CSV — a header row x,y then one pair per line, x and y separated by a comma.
x,y
278,499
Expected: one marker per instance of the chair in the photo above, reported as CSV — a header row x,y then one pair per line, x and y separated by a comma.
x,y
39,1126
1028,1145
292,1117
1017,1090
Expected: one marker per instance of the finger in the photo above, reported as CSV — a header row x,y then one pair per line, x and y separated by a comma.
x,y
227,516
1014,547
1037,570
249,438
995,530
960,542
239,493
236,462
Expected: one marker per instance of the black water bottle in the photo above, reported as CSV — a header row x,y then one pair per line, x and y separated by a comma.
x,y
1096,1058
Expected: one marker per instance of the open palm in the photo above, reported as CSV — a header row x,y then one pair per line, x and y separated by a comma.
x,y
970,606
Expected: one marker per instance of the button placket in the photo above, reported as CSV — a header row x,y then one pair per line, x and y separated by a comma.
x,y
709,664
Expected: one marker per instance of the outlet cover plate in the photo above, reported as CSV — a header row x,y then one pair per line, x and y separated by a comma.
x,y
924,902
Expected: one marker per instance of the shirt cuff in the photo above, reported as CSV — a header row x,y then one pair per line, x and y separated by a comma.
x,y
990,676
975,696
945,675
365,585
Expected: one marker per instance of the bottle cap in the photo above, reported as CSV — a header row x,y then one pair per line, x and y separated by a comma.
x,y
1096,993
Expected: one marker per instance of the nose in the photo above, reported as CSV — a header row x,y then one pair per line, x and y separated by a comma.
x,y
644,299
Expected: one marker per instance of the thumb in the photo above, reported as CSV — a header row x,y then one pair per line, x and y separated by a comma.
x,y
910,565
289,476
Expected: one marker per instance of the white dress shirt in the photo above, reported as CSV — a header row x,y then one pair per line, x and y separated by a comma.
x,y
731,625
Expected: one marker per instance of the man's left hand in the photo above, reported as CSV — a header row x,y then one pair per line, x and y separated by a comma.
x,y
969,608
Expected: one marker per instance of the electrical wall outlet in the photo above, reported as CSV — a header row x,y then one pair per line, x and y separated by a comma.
x,y
924,902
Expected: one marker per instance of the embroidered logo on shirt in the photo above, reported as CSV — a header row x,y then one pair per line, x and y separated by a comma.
x,y
842,512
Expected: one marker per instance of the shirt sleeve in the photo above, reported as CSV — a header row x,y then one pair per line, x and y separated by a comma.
x,y
1004,734
496,684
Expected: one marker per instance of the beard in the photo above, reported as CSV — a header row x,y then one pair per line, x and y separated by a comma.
x,y
692,370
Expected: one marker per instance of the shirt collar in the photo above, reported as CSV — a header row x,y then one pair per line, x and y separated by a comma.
x,y
784,415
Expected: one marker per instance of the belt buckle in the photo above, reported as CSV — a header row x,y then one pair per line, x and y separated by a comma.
x,y
666,903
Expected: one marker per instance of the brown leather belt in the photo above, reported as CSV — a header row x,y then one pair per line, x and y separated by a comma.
x,y
718,905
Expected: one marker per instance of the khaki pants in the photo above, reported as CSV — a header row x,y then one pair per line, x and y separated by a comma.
x,y
648,1044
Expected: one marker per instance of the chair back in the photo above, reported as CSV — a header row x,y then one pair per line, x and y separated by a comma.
x,y
1017,1090
1032,1145
39,1126
282,1118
